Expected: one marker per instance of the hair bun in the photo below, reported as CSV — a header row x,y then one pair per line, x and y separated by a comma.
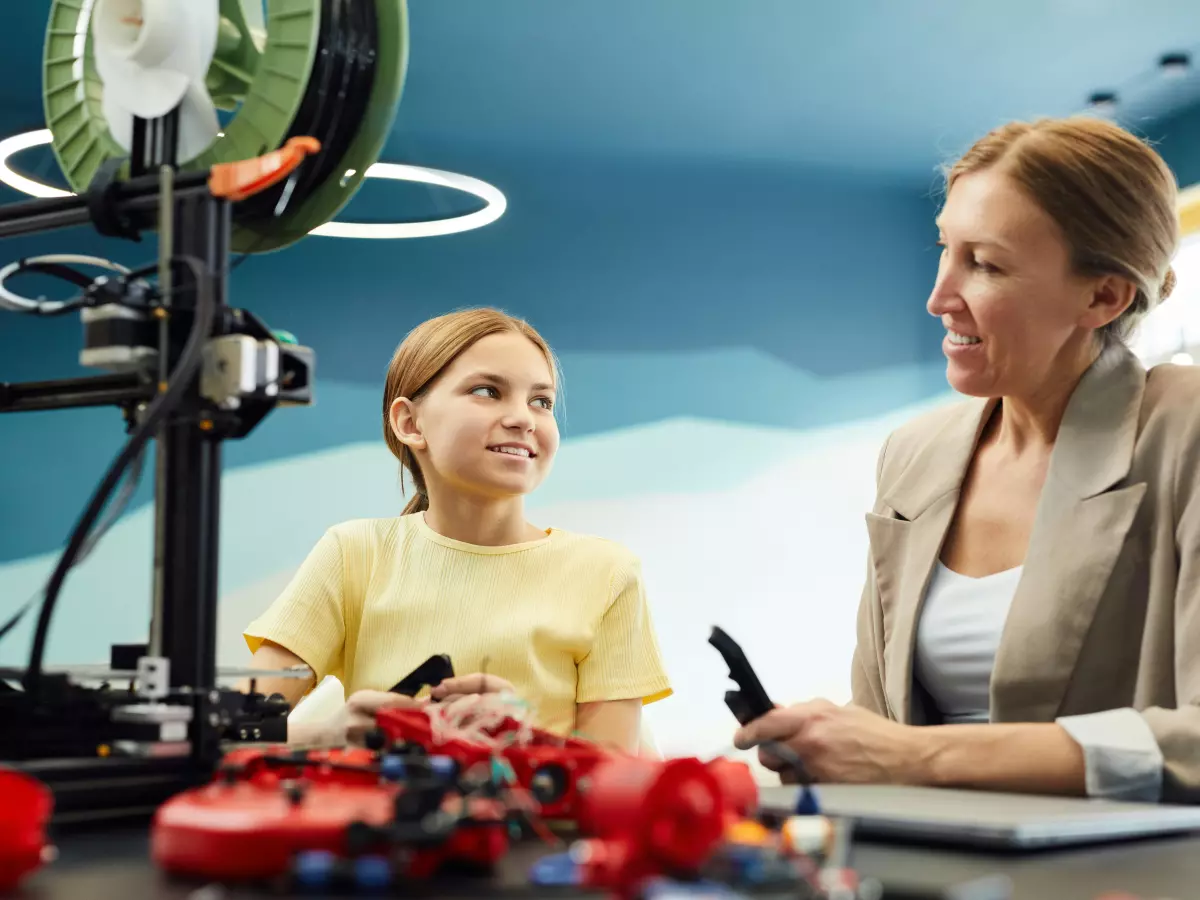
x,y
1168,285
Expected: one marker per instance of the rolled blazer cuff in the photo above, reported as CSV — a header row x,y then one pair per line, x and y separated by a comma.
x,y
1121,755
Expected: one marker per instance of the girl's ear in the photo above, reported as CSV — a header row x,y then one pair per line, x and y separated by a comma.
x,y
402,416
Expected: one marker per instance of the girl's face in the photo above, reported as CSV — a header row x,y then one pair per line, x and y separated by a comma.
x,y
486,425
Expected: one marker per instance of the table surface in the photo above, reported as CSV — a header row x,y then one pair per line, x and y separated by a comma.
x,y
114,863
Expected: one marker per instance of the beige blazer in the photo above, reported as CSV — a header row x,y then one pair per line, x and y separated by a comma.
x,y
1107,611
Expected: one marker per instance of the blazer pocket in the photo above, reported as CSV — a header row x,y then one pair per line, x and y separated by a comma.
x,y
887,536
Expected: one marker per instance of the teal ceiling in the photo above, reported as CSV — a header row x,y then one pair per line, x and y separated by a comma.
x,y
891,86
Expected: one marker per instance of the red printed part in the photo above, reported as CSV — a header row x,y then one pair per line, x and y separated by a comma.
x,y
556,776
408,725
483,842
247,177
738,786
27,805
674,812
549,767
411,726
246,831
265,769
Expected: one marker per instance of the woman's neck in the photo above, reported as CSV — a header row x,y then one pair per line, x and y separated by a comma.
x,y
1031,422
486,523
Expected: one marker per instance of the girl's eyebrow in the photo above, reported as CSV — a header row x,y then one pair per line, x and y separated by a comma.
x,y
503,382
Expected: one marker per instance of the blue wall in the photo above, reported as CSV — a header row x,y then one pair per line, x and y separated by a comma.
x,y
757,295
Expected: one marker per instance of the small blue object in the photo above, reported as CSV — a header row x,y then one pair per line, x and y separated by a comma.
x,y
314,868
372,872
743,861
557,869
742,853
807,804
392,768
443,766
755,871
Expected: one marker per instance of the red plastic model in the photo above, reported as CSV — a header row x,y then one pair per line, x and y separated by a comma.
x,y
650,819
270,806
26,804
551,768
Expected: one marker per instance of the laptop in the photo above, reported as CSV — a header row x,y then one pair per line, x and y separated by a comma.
x,y
984,818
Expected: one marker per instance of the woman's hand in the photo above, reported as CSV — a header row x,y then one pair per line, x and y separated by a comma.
x,y
840,744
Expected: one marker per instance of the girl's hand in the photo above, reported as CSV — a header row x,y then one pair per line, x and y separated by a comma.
x,y
455,688
350,724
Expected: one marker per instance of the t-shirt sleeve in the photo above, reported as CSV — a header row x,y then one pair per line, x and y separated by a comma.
x,y
308,617
624,661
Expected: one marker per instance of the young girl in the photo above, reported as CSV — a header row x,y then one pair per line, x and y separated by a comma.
x,y
561,619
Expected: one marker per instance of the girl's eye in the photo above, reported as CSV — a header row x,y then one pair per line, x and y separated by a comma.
x,y
491,391
546,402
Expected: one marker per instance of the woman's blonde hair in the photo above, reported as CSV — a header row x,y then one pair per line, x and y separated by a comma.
x,y
1111,194
425,353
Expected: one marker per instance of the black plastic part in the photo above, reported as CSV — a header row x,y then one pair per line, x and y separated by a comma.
x,y
120,331
549,783
430,673
126,389
90,791
124,657
107,216
751,700
375,739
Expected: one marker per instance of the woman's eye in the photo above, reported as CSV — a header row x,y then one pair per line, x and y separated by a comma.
x,y
546,402
488,389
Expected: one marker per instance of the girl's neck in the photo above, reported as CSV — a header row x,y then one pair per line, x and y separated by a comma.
x,y
485,523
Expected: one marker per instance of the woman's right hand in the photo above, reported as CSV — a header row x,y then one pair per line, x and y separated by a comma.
x,y
350,724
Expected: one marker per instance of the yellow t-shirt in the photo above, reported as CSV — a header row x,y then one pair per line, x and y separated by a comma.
x,y
564,618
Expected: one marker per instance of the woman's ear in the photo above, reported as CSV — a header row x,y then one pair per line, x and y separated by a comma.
x,y
1111,296
402,416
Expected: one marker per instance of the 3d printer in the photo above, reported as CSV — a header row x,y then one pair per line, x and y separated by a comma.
x,y
225,129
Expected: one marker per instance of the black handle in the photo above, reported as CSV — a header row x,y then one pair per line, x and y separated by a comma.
x,y
750,701
432,672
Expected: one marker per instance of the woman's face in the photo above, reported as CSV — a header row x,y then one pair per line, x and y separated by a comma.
x,y
486,426
1014,311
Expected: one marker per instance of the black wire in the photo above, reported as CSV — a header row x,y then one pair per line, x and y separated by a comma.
x,y
51,308
20,614
118,509
90,297
56,270
333,108
159,408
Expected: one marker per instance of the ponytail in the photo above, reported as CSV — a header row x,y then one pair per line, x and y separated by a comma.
x,y
420,500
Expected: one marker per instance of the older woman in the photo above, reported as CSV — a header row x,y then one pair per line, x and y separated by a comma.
x,y
1031,616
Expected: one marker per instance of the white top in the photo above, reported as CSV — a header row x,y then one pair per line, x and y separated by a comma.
x,y
957,638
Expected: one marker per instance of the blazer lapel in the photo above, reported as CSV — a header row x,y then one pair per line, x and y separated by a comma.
x,y
1078,533
905,546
